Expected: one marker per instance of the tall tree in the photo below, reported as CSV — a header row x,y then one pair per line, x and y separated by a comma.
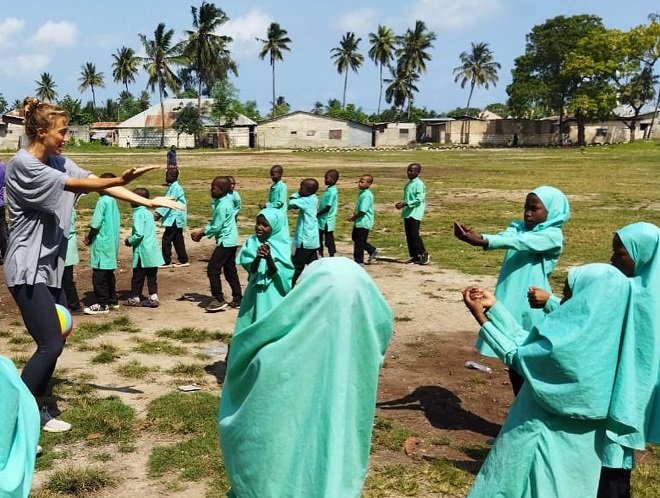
x,y
400,88
346,56
383,46
90,78
478,68
412,54
46,87
125,66
275,42
207,50
539,82
160,56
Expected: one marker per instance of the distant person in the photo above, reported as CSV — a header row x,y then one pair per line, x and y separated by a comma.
x,y
327,214
223,227
533,246
72,259
277,194
171,157
103,239
412,211
147,256
301,385
306,236
363,222
3,215
174,221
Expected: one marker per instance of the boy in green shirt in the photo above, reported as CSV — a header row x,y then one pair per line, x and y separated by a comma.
x,y
103,239
147,256
363,218
327,214
174,221
412,210
306,236
223,228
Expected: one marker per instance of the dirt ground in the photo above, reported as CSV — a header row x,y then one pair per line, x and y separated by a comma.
x,y
424,384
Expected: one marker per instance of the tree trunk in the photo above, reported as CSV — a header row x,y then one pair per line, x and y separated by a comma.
x,y
162,113
272,63
580,130
380,94
467,107
343,99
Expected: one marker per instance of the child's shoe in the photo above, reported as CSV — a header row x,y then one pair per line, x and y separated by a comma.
x,y
181,265
235,304
50,423
150,303
96,309
373,256
215,306
425,259
133,302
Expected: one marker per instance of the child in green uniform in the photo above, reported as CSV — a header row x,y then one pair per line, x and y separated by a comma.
x,y
235,197
327,214
103,239
306,236
174,221
223,228
72,259
147,256
363,219
412,210
277,195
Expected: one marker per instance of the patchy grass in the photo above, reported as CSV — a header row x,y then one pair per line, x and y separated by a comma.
x,y
390,434
187,369
158,347
80,482
186,334
107,353
83,332
134,370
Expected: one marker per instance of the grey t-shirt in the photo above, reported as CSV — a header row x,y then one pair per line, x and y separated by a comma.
x,y
39,214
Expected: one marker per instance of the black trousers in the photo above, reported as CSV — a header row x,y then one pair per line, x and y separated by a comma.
x,y
69,288
301,258
414,241
329,237
222,260
141,274
105,286
173,236
37,306
360,244
614,483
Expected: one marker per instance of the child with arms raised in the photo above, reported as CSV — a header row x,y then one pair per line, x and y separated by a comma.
x,y
306,236
147,256
533,246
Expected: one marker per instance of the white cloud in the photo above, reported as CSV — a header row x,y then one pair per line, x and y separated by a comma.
x,y
25,65
244,30
8,29
453,15
359,21
55,34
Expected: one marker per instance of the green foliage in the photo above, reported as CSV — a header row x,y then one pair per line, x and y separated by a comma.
x,y
109,419
351,113
276,41
188,121
134,370
226,106
80,482
462,111
390,434
3,104
185,334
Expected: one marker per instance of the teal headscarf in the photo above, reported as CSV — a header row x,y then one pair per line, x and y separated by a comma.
x,y
556,204
19,435
264,290
573,356
299,396
642,241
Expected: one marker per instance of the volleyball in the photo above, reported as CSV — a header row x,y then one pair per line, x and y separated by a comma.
x,y
66,322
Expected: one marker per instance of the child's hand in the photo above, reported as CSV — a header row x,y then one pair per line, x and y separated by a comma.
x,y
126,243
197,235
467,234
157,216
476,299
399,205
537,297
86,240
460,230
262,205
351,218
263,251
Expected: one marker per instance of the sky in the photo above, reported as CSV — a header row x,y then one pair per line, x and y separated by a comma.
x,y
39,36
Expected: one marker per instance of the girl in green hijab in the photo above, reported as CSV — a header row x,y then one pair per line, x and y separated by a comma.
x,y
551,442
299,397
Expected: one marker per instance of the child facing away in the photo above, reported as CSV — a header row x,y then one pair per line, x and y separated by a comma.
x,y
223,227
72,259
103,239
277,194
412,211
266,256
306,236
533,246
363,221
147,256
235,197
327,214
174,221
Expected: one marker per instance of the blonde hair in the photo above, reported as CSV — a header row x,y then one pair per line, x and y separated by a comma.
x,y
40,114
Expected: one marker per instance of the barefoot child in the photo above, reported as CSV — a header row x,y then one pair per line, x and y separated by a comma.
x,y
533,246
266,256
306,236
327,214
147,256
363,221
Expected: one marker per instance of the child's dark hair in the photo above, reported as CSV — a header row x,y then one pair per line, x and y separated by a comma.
x,y
277,167
312,184
172,173
333,173
142,192
108,175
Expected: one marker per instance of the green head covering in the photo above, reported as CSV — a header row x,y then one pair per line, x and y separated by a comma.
x,y
299,396
19,435
642,241
556,204
573,356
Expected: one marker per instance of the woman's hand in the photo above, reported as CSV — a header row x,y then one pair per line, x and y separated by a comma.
x,y
131,174
166,202
537,297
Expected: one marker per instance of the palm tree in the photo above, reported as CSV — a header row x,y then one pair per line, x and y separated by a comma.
x,y
318,107
125,66
46,87
413,47
382,52
401,87
276,40
347,57
477,67
207,50
160,55
89,78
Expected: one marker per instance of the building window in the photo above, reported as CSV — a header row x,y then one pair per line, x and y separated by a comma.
x,y
293,132
403,131
334,135
311,133
601,132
